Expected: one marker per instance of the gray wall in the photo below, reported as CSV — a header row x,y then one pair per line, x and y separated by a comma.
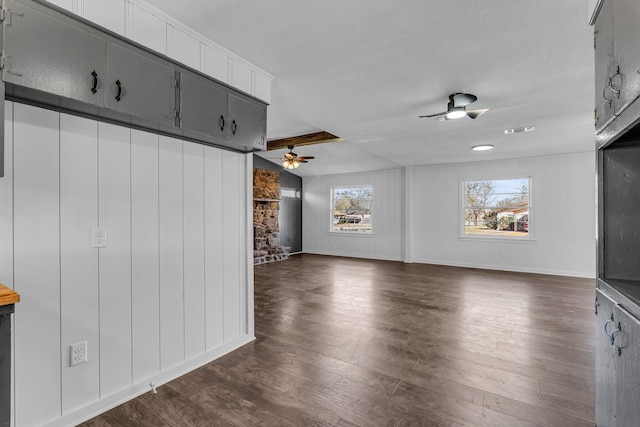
x,y
290,209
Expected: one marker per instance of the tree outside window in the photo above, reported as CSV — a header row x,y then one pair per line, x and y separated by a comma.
x,y
497,207
352,209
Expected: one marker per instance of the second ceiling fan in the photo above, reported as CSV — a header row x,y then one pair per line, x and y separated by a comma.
x,y
291,160
457,108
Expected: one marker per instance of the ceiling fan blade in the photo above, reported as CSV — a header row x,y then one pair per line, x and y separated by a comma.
x,y
300,160
433,115
476,113
461,99
306,157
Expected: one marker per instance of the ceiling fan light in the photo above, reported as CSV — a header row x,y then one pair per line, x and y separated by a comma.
x,y
483,147
456,113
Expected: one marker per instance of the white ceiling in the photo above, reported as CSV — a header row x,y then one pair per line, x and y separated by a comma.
x,y
366,69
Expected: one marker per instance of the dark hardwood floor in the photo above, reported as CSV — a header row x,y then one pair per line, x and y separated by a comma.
x,y
352,342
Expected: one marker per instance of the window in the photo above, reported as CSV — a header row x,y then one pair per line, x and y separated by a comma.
x,y
497,208
351,209
289,193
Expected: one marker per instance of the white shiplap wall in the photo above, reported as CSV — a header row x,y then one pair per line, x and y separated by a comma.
x,y
386,240
152,28
161,299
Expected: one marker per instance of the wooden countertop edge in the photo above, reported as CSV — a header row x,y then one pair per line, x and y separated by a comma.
x,y
8,296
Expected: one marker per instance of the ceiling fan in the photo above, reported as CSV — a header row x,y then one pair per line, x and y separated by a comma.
x,y
457,107
291,160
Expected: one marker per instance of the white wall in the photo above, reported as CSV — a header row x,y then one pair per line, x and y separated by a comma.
x,y
562,216
171,291
386,240
425,227
154,29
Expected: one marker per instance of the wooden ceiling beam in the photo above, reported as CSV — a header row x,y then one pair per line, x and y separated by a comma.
x,y
298,141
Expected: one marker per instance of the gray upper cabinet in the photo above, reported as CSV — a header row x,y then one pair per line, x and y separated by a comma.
x,y
53,59
606,95
46,54
626,28
140,86
247,123
203,107
617,73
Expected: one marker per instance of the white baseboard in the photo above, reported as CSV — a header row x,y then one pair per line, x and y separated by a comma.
x,y
351,255
568,273
118,398
584,275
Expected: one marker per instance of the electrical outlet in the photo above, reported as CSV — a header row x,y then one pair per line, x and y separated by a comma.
x,y
98,237
78,353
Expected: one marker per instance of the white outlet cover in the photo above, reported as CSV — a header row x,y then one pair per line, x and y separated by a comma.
x,y
98,237
77,353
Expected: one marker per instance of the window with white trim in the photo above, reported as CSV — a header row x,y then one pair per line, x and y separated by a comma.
x,y
351,209
496,208
289,193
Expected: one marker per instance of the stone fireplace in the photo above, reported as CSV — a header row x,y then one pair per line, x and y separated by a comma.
x,y
266,210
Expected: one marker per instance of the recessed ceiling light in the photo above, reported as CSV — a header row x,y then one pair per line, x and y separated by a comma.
x,y
482,147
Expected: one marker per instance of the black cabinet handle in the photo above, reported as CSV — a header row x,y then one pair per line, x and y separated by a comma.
x,y
221,123
118,98
95,82
234,127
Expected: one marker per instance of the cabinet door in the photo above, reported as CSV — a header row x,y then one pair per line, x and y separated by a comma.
x,y
203,107
47,54
626,18
247,123
605,67
627,384
140,86
605,361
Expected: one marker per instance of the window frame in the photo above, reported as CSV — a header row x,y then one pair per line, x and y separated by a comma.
x,y
285,193
331,211
463,235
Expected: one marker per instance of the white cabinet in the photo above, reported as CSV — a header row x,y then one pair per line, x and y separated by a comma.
x,y
183,48
149,30
110,15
